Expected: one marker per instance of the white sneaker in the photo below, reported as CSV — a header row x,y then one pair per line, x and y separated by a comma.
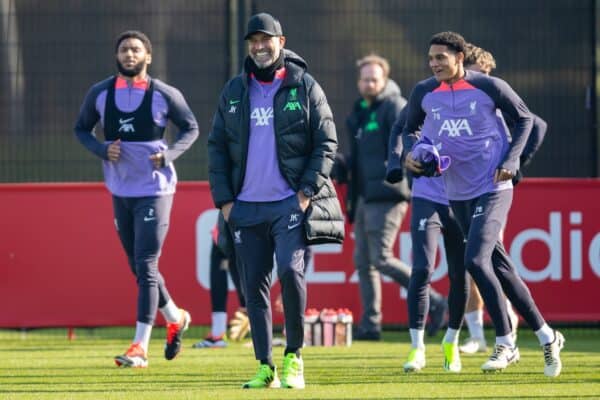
x,y
134,357
211,342
552,355
416,360
501,358
473,345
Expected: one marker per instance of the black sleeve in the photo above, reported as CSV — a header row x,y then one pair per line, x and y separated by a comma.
x,y
87,120
536,137
415,116
182,116
509,102
395,171
323,137
219,161
391,116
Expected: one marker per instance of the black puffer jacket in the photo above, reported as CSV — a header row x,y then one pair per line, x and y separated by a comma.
x,y
306,144
369,129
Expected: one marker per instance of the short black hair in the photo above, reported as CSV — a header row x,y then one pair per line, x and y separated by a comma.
x,y
454,41
135,35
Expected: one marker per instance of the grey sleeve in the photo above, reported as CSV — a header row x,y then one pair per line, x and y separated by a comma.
x,y
86,121
182,116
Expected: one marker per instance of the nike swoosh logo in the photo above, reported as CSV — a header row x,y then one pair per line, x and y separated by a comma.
x,y
294,226
233,101
148,219
477,215
436,109
124,121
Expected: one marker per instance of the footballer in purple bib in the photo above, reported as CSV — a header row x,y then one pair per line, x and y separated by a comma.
x,y
133,110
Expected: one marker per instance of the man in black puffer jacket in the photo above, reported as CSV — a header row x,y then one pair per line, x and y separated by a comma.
x,y
377,207
271,150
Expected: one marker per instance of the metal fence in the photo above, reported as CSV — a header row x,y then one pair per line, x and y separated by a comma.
x,y
51,52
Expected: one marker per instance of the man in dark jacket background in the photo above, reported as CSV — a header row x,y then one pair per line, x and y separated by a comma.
x,y
377,207
271,150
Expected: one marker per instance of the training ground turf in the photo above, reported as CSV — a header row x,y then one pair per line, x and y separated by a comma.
x,y
43,364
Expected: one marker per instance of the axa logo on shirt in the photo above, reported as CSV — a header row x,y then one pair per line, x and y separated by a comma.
x,y
454,127
262,116
126,125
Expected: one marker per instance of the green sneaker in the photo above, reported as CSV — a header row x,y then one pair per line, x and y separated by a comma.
x,y
265,378
292,375
451,357
416,360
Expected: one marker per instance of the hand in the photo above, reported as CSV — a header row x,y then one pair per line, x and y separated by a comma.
x,y
114,150
502,175
158,160
412,165
394,175
278,304
226,210
303,201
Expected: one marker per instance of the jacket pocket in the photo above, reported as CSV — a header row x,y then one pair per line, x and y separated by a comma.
x,y
294,126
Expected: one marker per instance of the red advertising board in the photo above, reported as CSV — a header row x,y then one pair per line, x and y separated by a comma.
x,y
61,263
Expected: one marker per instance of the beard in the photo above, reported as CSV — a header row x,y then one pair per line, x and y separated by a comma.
x,y
131,72
264,63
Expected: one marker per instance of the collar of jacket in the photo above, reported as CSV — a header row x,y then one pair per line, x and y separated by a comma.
x,y
293,74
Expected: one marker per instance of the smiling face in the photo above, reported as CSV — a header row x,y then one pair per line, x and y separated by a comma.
x,y
264,49
446,65
133,58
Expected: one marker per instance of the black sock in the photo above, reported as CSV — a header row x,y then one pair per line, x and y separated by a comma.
x,y
294,350
269,362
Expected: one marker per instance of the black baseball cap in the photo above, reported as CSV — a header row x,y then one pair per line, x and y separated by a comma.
x,y
264,23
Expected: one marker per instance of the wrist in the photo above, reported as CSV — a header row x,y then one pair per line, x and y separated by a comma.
x,y
307,191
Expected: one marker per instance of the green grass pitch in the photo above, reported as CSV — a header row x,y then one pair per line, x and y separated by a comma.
x,y
43,364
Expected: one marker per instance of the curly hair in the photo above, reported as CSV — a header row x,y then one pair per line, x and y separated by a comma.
x,y
480,57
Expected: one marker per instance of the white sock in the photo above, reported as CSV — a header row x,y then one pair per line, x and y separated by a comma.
x,y
507,340
417,338
171,313
142,334
545,334
474,321
451,335
219,324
